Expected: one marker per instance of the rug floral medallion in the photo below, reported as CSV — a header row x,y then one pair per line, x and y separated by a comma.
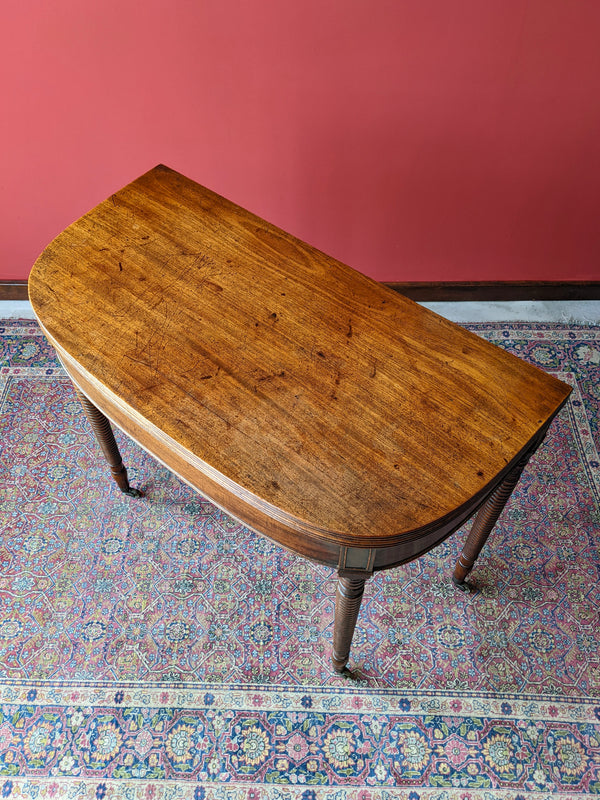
x,y
156,648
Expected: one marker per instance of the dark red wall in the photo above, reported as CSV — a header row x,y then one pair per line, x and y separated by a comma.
x,y
413,139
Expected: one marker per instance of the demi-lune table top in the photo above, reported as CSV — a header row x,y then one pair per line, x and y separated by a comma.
x,y
310,401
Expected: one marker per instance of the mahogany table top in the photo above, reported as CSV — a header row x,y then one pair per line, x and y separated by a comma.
x,y
260,369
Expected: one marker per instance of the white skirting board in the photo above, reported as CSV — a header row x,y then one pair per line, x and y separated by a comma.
x,y
584,312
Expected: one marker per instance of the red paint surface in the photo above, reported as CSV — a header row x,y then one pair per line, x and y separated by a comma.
x,y
412,139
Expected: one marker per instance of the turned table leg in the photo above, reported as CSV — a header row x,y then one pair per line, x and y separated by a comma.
x,y
347,605
484,522
106,439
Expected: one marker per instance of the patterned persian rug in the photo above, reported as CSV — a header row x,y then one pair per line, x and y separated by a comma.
x,y
155,648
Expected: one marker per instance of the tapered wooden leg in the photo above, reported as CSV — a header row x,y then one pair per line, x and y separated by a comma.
x,y
347,605
106,439
484,522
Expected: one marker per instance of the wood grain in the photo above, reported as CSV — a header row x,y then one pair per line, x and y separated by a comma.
x,y
296,381
324,410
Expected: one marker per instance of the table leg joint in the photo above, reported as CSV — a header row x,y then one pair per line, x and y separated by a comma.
x,y
356,561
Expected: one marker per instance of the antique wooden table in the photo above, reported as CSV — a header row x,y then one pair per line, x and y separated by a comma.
x,y
318,407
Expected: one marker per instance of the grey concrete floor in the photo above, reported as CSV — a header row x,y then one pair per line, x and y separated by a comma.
x,y
586,311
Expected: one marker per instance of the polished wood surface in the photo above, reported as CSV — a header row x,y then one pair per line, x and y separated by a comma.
x,y
320,408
